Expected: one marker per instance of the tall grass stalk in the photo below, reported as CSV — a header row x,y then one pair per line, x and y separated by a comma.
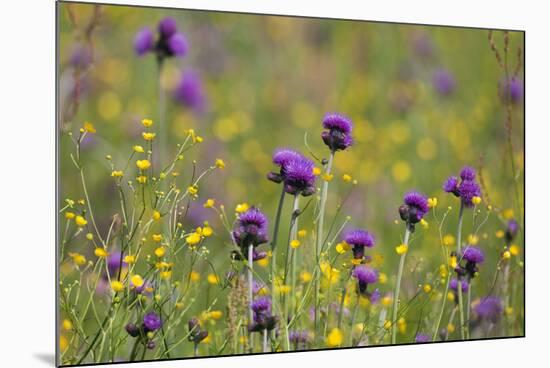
x,y
459,287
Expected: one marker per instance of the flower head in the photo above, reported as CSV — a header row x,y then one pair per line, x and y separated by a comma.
x,y
468,173
168,43
151,322
422,338
453,284
513,90
365,276
473,255
489,308
511,230
337,133
263,320
415,207
144,41
359,239
251,228
189,91
299,177
444,82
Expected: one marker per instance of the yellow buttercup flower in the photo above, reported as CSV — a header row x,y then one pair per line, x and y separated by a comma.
x,y
424,224
335,338
207,231
156,237
147,122
193,189
117,173
328,177
156,215
129,259
220,164
295,243
209,203
148,136
306,276
476,200
401,249
432,202
508,214
78,258
69,215
382,278
194,276
216,314
514,250
506,255
193,239
142,179
67,325
137,281
117,286
143,164
302,233
342,247
427,288
212,279
89,127
101,252
160,252
138,149
473,239
448,240
242,207
499,234
347,178
80,221
316,171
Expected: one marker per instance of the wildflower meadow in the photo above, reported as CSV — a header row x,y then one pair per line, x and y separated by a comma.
x,y
241,184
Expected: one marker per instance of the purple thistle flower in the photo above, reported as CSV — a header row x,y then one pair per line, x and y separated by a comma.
x,y
514,90
365,276
489,308
144,41
415,207
298,337
467,190
81,56
178,45
263,320
251,228
299,177
335,121
422,338
473,255
359,239
468,173
282,156
511,230
443,82
337,135
114,261
454,285
451,185
189,91
151,322
132,329
167,27
262,304
375,296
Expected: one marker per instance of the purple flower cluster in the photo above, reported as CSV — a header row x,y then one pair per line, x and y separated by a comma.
x,y
337,134
189,91
196,333
295,172
489,308
473,257
170,42
511,230
422,338
299,338
365,276
467,188
444,82
453,285
359,239
251,228
151,322
263,320
414,209
512,90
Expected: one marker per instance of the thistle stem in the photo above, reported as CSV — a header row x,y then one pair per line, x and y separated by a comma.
x,y
398,287
275,236
264,345
250,282
459,286
319,240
